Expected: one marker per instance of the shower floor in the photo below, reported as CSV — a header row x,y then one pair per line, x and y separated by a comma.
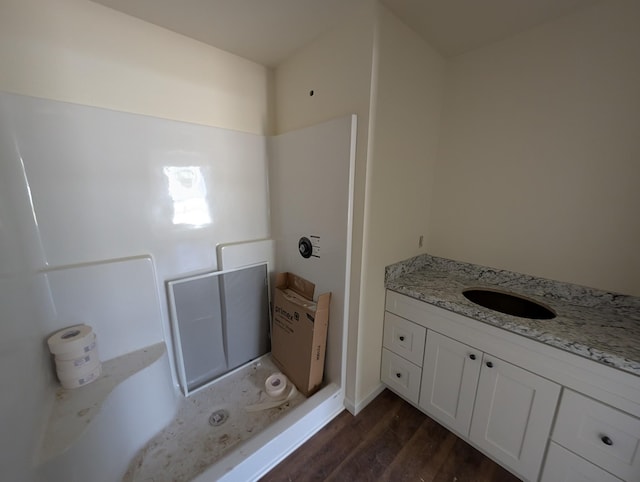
x,y
190,444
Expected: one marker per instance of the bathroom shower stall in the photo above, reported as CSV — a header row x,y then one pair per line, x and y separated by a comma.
x,y
122,222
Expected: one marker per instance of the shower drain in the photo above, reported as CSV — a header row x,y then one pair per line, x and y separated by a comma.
x,y
218,417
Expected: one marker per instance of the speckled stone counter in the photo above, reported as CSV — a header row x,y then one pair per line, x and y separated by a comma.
x,y
601,326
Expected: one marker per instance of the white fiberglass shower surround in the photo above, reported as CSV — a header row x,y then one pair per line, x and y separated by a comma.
x,y
99,209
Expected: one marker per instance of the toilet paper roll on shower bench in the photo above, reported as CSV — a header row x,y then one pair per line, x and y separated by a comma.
x,y
77,372
81,380
76,356
72,366
72,342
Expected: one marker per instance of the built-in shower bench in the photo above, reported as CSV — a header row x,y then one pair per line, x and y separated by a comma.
x,y
111,410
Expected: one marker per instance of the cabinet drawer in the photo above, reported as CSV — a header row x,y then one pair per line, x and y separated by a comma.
x,y
603,435
400,375
404,338
564,466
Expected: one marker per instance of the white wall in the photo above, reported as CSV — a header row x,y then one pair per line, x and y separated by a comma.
x,y
79,51
406,113
538,166
337,67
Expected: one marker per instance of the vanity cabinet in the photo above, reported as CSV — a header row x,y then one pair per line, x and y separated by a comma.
x,y
504,410
501,392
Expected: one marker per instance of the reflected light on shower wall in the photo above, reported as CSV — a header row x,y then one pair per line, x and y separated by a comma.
x,y
188,192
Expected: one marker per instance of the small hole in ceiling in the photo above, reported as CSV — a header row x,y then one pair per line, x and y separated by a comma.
x,y
311,93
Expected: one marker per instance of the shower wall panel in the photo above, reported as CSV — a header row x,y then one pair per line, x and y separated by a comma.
x,y
109,184
311,186
106,187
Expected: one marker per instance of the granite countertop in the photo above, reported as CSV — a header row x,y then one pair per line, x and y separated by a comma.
x,y
595,324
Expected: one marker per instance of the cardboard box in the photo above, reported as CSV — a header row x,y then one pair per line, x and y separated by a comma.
x,y
299,332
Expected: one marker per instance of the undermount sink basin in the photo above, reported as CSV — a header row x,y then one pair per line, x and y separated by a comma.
x,y
509,303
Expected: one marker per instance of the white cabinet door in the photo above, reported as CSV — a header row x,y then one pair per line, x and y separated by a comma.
x,y
513,414
449,379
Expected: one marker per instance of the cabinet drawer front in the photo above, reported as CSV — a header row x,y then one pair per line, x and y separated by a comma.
x,y
605,436
400,375
564,466
404,338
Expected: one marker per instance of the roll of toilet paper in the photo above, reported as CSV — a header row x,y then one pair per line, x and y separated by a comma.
x,y
275,385
72,342
275,401
79,365
84,379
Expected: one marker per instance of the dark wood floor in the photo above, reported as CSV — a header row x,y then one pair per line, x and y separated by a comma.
x,y
388,440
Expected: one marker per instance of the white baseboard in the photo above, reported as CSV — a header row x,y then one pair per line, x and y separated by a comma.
x,y
356,408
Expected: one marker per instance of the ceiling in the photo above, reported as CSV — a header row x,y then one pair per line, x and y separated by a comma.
x,y
269,31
